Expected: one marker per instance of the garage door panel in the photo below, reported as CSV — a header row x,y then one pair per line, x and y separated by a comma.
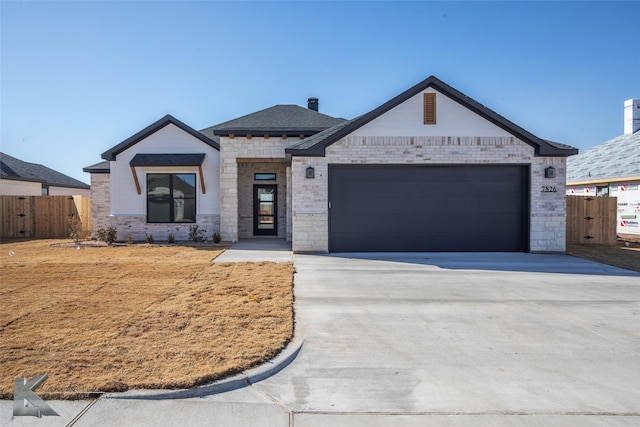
x,y
407,223
428,208
437,242
424,205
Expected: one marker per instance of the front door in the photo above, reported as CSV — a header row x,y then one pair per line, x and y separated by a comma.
x,y
265,212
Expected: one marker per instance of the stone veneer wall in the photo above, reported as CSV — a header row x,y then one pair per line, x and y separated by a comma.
x,y
137,227
238,150
310,196
246,171
100,201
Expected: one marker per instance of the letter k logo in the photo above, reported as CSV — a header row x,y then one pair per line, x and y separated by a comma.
x,y
26,402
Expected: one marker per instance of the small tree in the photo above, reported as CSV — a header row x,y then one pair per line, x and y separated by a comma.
x,y
75,229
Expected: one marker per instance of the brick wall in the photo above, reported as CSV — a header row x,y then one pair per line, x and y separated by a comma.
x,y
100,201
248,150
310,196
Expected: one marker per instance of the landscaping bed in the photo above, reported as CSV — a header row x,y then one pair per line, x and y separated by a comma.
x,y
99,319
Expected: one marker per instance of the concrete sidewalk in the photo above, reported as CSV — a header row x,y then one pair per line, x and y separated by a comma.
x,y
255,250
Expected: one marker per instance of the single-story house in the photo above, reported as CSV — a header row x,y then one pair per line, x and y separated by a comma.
x,y
613,169
429,170
20,178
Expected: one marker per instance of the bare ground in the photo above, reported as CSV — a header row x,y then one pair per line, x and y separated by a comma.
x,y
99,319
626,254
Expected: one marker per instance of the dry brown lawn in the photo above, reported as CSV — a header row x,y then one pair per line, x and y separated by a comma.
x,y
626,254
101,319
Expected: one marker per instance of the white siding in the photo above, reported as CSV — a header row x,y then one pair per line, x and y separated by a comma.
x,y
452,119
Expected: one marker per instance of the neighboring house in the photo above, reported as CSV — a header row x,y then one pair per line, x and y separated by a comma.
x,y
19,178
429,170
613,169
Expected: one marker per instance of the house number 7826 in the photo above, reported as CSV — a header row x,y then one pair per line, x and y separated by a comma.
x,y
549,189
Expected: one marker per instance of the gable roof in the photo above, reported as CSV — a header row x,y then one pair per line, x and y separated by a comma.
x,y
153,128
614,159
12,168
290,120
316,145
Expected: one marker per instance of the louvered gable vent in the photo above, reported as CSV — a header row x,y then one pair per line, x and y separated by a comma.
x,y
429,108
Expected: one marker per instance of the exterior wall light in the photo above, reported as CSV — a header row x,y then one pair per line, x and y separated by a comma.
x,y
550,172
311,173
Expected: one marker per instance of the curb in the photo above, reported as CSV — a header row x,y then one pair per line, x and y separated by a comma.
x,y
243,379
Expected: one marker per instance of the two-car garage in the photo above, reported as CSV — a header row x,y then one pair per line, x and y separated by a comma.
x,y
428,208
430,170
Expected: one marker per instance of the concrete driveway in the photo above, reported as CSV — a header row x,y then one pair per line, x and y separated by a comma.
x,y
466,338
435,339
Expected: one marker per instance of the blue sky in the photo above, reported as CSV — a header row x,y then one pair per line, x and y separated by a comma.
x,y
79,77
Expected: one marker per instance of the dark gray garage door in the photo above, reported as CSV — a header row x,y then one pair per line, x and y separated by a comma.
x,y
377,208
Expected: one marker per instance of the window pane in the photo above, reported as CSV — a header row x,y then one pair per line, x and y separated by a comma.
x,y
184,210
184,185
264,177
171,198
158,211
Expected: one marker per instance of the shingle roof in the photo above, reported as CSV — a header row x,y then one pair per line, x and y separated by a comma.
x,y
192,159
12,168
317,144
101,167
319,137
290,120
617,158
153,128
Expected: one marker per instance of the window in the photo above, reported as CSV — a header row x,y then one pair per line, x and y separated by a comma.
x,y
429,108
602,190
171,197
264,177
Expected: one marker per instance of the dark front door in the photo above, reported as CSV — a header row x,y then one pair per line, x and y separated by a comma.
x,y
265,210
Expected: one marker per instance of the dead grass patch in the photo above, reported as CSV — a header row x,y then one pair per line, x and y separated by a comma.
x,y
110,318
626,254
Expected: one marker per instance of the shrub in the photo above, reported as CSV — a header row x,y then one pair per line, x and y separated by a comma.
x,y
148,238
171,238
216,238
107,235
131,240
196,234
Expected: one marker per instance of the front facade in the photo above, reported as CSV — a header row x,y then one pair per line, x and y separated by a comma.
x,y
430,170
612,169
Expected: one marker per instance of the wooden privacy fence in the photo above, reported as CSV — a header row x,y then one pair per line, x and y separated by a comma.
x,y
591,220
44,217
